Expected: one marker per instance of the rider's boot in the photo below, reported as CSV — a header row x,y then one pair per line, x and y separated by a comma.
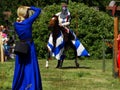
x,y
58,64
61,63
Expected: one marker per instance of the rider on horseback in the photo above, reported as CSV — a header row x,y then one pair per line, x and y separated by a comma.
x,y
64,17
62,37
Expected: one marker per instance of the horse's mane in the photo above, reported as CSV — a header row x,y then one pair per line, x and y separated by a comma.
x,y
54,27
55,16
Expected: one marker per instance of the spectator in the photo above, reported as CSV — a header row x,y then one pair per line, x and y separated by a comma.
x,y
26,74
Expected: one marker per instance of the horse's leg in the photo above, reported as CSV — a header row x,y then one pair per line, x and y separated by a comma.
x,y
75,53
76,60
60,62
48,58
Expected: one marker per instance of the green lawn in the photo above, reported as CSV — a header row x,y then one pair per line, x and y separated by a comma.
x,y
89,76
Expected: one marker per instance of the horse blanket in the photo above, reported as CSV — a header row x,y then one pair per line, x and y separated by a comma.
x,y
57,51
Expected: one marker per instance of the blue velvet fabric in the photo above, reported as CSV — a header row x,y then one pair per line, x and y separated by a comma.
x,y
27,74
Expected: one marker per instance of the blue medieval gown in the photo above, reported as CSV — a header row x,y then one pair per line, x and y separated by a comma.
x,y
27,74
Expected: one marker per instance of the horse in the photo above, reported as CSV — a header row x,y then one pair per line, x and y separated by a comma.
x,y
56,31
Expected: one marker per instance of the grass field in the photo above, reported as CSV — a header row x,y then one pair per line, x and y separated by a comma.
x,y
89,76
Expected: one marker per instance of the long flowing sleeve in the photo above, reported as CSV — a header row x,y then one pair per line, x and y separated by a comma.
x,y
32,18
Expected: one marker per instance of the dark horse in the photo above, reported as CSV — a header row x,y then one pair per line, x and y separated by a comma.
x,y
67,37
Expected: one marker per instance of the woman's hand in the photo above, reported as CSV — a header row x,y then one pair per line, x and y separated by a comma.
x,y
27,7
60,25
66,30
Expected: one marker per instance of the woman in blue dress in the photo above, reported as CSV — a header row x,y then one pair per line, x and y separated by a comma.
x,y
26,74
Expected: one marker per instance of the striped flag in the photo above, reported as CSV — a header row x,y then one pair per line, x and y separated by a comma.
x,y
81,51
57,51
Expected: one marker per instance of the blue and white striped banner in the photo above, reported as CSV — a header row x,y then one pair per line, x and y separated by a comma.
x,y
57,51
81,51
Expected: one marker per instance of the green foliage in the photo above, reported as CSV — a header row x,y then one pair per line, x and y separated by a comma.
x,y
90,25
101,4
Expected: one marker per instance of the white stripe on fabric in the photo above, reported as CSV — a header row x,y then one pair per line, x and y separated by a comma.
x,y
50,39
59,42
59,54
81,51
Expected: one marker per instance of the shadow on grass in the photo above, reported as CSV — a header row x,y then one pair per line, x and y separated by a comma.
x,y
74,67
7,88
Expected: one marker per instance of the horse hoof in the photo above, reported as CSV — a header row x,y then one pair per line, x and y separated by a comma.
x,y
77,65
47,66
57,67
60,68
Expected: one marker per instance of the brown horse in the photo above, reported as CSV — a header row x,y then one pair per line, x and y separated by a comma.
x,y
67,37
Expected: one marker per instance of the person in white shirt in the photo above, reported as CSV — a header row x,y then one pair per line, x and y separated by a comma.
x,y
64,17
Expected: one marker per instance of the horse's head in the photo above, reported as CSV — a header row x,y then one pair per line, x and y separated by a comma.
x,y
53,26
53,22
